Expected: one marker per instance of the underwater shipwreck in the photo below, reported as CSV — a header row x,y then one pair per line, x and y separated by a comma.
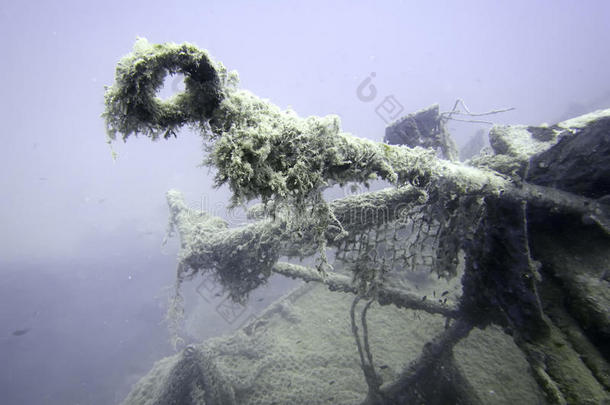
x,y
510,251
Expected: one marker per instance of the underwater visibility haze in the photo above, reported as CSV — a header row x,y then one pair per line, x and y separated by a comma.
x,y
342,203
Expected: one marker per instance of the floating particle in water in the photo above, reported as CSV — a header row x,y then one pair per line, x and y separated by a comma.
x,y
21,332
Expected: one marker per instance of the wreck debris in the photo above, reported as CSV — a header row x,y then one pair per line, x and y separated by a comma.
x,y
484,217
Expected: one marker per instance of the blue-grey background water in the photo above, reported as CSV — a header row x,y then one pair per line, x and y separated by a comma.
x,y
82,270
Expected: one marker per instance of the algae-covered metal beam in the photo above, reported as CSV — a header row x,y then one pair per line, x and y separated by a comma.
x,y
243,258
261,151
237,255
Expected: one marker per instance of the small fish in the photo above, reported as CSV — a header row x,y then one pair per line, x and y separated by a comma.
x,y
383,367
424,298
260,299
331,382
444,293
21,332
